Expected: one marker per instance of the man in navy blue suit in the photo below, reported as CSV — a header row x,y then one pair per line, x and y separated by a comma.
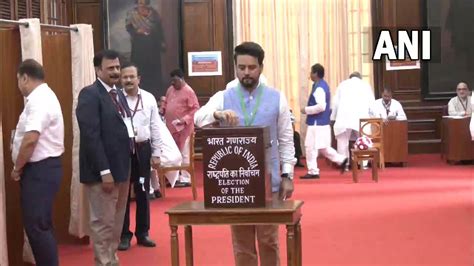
x,y
106,146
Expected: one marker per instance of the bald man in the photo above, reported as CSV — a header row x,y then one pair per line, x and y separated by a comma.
x,y
461,104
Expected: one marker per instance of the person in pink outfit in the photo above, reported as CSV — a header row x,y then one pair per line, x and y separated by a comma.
x,y
181,104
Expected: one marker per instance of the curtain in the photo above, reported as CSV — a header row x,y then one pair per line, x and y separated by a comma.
x,y
296,34
31,48
83,74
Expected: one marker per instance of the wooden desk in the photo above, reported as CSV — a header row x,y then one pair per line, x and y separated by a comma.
x,y
193,213
395,141
456,139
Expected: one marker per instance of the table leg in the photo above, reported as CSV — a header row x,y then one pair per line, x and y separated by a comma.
x,y
290,245
174,246
188,243
299,246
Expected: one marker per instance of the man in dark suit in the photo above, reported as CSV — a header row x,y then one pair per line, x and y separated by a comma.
x,y
106,136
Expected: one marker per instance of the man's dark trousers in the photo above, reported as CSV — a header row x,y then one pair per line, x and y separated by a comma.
x,y
140,168
40,181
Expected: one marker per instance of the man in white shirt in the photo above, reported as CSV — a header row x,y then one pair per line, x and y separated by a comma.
x,y
352,101
145,119
387,108
38,144
230,107
460,105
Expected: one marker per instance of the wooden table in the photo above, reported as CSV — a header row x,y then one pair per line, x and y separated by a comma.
x,y
395,141
277,212
456,143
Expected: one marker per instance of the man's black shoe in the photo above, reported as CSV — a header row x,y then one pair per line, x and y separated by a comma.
x,y
308,176
344,165
182,184
146,242
157,194
124,244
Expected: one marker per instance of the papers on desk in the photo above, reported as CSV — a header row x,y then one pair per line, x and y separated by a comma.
x,y
453,116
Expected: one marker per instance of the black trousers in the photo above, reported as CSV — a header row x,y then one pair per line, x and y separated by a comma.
x,y
140,168
40,182
297,141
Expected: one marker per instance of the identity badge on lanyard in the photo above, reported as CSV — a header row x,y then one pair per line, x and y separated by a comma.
x,y
248,119
129,124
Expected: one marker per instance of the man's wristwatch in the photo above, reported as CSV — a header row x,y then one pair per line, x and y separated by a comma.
x,y
286,175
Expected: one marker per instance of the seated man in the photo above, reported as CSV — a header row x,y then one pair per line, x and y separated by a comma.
x,y
387,108
460,105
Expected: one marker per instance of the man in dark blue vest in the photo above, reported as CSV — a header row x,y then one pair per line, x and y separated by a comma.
x,y
318,134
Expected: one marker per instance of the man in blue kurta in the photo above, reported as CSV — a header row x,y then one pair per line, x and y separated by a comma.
x,y
252,103
318,134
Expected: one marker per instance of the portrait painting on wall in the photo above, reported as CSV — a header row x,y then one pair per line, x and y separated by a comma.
x,y
147,33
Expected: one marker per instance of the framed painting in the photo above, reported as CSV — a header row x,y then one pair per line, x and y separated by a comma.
x,y
147,33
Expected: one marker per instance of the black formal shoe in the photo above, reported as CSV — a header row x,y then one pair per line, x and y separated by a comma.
x,y
151,196
157,194
344,165
182,184
308,176
124,244
146,242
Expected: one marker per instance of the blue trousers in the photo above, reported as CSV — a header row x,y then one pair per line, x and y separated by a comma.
x,y
40,183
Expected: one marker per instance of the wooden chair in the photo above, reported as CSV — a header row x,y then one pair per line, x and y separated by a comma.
x,y
187,167
374,154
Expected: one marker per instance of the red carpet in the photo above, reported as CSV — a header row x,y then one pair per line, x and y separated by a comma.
x,y
418,215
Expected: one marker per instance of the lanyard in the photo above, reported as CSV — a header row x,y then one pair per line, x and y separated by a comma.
x,y
136,105
249,120
462,104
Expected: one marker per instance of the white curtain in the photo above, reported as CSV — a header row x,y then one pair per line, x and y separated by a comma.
x,y
83,74
30,49
3,217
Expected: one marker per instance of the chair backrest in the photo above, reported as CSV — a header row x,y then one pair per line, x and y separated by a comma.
x,y
445,111
372,128
191,148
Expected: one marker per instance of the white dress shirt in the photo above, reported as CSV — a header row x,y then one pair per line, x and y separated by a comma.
x,y
42,113
146,119
457,107
352,101
205,116
378,110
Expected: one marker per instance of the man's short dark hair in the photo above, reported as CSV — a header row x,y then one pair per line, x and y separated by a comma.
x,y
32,69
355,74
107,54
130,64
177,73
318,69
147,2
250,48
387,89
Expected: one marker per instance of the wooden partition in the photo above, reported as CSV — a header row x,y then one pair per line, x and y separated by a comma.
x,y
57,64
11,104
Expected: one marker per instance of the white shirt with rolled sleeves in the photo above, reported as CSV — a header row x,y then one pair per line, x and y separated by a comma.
x,y
205,116
42,113
378,110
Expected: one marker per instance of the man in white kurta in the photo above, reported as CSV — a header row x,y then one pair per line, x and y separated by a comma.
x,y
318,133
460,105
387,108
471,126
352,101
